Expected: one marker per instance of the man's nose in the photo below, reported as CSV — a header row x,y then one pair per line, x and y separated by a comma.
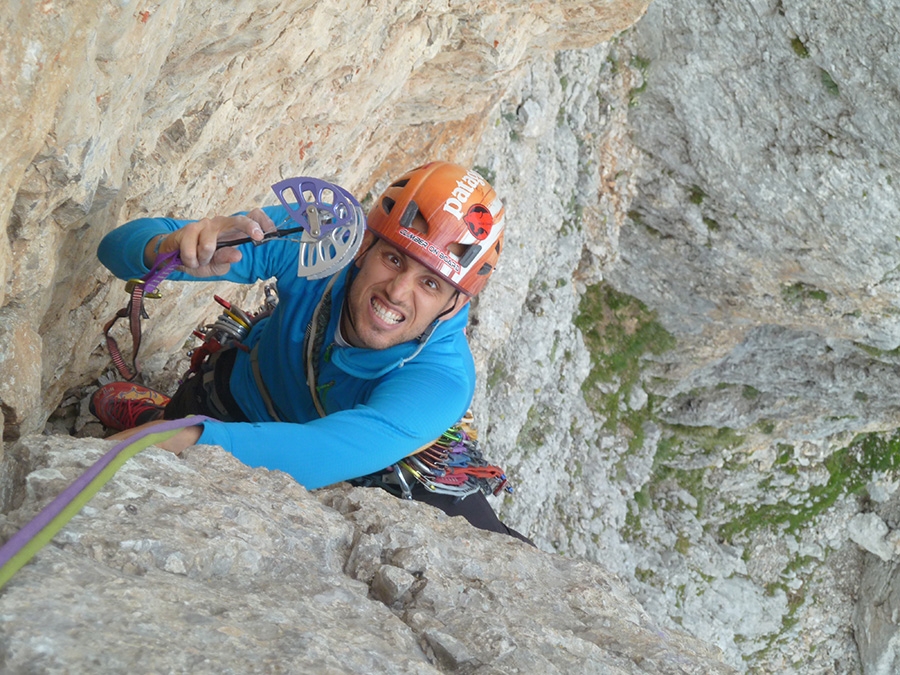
x,y
401,286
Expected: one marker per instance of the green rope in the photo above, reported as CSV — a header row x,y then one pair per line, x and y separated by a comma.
x,y
15,563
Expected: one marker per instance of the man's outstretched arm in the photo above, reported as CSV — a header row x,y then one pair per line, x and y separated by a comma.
x,y
184,438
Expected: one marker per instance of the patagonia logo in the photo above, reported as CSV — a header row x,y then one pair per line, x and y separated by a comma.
x,y
479,221
465,186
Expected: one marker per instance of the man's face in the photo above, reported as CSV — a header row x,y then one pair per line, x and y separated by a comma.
x,y
393,299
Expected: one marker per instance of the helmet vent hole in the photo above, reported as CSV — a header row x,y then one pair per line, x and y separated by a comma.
x,y
485,269
400,183
387,204
409,215
471,252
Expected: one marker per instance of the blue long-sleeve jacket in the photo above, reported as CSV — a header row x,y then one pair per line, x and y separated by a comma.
x,y
380,406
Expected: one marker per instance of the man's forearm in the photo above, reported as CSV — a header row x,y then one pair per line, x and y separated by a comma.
x,y
184,438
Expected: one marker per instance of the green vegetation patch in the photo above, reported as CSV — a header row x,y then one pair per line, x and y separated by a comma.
x,y
486,173
799,291
618,330
642,65
766,426
532,436
879,353
828,82
849,470
679,443
750,393
707,440
498,372
799,48
696,195
574,216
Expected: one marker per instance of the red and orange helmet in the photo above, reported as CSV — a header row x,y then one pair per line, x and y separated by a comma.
x,y
462,212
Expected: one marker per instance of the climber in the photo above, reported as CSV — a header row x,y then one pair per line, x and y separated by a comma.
x,y
391,367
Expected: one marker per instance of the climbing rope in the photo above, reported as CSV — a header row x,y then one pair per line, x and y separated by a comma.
x,y
25,543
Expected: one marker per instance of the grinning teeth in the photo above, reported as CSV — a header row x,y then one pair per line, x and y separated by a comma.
x,y
385,314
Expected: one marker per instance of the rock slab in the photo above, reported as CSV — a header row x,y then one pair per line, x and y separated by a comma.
x,y
200,564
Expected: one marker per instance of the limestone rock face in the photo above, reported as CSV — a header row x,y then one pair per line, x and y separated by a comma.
x,y
187,110
730,478
710,196
767,228
745,195
200,564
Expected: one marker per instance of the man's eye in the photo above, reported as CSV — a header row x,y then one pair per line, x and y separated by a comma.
x,y
432,284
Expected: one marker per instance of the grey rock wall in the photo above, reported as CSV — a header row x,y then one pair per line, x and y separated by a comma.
x,y
734,176
732,480
200,564
710,196
877,531
765,226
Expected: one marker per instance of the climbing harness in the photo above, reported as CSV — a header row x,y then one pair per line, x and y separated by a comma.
x,y
25,543
330,228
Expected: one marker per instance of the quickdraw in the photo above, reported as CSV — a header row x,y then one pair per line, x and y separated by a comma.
x,y
452,465
330,227
229,330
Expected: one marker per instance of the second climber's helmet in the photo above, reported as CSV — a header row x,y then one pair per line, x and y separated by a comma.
x,y
464,222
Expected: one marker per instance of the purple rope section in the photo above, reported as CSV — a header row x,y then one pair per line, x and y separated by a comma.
x,y
54,508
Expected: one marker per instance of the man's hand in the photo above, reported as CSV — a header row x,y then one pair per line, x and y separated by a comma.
x,y
185,438
196,242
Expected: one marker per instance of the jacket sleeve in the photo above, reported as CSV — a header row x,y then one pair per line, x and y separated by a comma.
x,y
122,251
404,413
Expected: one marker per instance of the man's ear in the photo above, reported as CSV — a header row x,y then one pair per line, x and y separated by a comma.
x,y
459,301
368,242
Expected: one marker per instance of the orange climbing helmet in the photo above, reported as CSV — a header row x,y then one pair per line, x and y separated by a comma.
x,y
464,222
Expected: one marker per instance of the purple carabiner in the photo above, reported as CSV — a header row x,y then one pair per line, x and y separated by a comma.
x,y
319,207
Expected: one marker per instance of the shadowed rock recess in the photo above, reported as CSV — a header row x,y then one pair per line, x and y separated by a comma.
x,y
688,357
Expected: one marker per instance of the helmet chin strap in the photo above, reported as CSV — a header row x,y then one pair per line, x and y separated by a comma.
x,y
434,324
451,307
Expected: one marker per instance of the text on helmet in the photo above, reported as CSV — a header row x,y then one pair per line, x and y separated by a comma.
x,y
465,186
443,256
